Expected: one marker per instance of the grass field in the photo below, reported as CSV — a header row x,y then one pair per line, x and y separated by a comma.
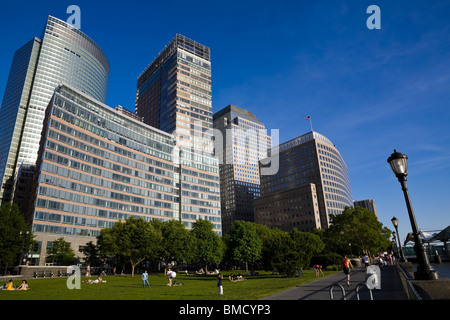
x,y
195,287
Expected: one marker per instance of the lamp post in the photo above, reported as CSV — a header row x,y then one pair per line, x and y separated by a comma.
x,y
395,223
425,271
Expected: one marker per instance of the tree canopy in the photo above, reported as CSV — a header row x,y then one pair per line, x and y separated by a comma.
x,y
138,240
177,241
243,243
291,251
359,228
208,246
61,252
15,234
135,239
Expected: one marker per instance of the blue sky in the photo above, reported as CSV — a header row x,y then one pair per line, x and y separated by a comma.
x,y
368,91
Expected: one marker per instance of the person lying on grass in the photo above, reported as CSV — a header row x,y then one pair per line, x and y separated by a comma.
x,y
98,280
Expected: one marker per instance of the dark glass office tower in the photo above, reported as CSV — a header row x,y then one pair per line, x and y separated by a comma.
x,y
174,94
63,54
245,142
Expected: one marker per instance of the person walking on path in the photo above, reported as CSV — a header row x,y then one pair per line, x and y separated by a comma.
x,y
366,261
346,265
219,284
145,279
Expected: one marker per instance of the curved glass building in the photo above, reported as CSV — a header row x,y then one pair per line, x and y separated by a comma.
x,y
312,182
63,54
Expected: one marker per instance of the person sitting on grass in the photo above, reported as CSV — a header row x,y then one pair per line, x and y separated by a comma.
x,y
201,271
10,285
240,278
23,286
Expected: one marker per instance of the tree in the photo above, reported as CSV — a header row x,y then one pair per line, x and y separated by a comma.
x,y
61,252
358,227
306,245
15,234
135,239
277,251
291,251
243,242
265,233
177,242
208,247
92,254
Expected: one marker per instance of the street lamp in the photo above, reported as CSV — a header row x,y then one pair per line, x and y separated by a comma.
x,y
425,271
395,223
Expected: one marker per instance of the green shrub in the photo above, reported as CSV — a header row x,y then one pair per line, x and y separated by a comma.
x,y
327,259
334,267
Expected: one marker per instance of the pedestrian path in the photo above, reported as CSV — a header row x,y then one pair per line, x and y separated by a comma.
x,y
391,287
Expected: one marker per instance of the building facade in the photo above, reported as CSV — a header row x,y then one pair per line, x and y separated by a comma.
x,y
313,162
97,165
62,54
295,207
244,142
174,94
368,204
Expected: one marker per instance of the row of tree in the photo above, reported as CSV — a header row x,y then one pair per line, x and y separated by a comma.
x,y
136,240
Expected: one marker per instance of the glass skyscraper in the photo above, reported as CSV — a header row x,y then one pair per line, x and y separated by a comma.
x,y
245,142
174,94
312,182
62,54
97,164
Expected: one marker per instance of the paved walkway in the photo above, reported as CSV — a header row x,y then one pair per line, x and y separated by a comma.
x,y
391,287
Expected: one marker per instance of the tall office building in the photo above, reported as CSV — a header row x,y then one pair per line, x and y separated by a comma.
x,y
63,53
368,204
312,182
97,164
174,94
245,142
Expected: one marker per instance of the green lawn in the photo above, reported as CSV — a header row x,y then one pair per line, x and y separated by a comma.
x,y
195,287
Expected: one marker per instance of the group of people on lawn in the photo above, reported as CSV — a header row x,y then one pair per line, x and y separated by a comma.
x,y
10,286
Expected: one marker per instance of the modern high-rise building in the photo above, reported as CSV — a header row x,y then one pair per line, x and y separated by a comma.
x,y
174,94
97,164
312,182
63,53
368,204
245,142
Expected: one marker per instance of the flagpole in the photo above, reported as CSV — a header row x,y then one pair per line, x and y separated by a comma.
x,y
310,121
